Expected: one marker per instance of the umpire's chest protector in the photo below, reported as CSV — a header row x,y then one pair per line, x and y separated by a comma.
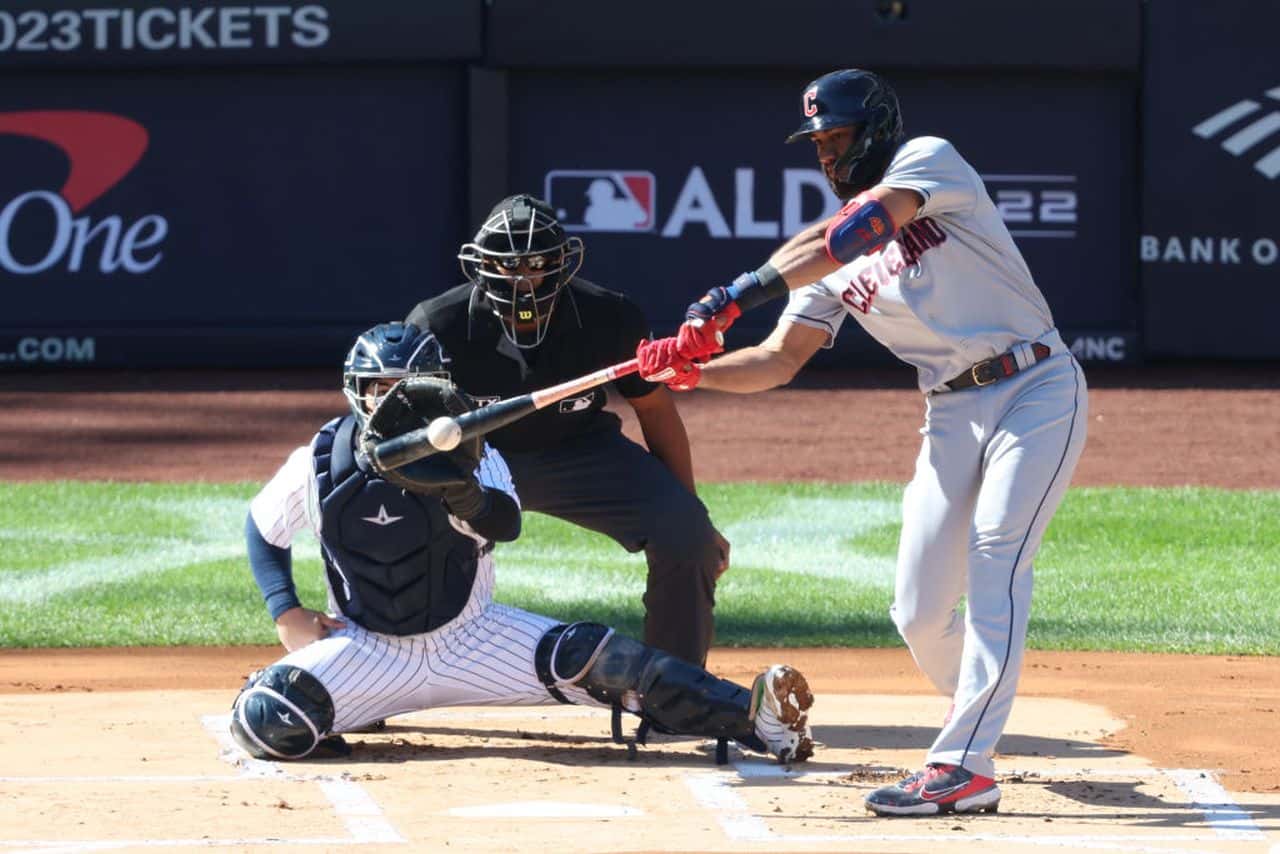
x,y
395,564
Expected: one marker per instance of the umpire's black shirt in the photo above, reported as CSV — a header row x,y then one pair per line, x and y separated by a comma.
x,y
591,328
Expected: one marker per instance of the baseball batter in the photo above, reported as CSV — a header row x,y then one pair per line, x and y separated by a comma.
x,y
411,622
920,257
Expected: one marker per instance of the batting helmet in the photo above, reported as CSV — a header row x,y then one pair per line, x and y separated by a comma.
x,y
519,261
389,351
863,101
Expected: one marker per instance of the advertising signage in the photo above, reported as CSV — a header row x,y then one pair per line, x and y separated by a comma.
x,y
1211,180
214,218
78,33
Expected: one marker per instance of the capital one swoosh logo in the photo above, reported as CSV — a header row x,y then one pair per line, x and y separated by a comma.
x,y
101,149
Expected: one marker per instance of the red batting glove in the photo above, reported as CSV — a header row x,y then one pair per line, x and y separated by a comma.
x,y
687,376
658,359
661,362
701,338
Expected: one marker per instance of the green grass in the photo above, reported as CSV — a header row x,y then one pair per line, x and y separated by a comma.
x,y
1181,570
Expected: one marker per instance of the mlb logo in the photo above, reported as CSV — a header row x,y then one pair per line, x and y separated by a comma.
x,y
602,200
577,404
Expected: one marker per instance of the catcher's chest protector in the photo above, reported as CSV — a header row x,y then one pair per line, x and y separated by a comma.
x,y
395,564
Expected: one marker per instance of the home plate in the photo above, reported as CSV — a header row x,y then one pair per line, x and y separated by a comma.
x,y
544,809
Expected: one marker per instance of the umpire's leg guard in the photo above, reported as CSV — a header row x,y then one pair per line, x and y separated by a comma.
x,y
669,693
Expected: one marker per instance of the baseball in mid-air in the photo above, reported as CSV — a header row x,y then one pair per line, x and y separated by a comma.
x,y
444,434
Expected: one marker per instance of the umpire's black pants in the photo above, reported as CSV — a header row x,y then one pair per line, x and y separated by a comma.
x,y
605,482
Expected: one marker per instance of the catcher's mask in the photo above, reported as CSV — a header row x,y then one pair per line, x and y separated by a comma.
x,y
389,351
863,101
519,260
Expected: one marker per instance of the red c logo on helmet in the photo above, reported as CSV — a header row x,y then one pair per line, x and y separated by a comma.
x,y
810,102
101,147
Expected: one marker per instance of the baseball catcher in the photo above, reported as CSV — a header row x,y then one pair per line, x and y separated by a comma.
x,y
411,623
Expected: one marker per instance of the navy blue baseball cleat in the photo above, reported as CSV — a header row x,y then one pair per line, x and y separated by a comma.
x,y
937,789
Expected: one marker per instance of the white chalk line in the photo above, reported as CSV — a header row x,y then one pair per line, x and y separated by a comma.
x,y
715,792
359,812
352,805
128,778
36,846
1207,795
1105,843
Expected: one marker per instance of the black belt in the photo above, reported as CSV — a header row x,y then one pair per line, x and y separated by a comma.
x,y
994,369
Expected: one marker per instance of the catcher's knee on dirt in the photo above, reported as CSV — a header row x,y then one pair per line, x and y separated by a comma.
x,y
283,713
672,694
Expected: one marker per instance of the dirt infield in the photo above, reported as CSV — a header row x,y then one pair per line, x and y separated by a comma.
x,y
1210,425
126,749
1103,750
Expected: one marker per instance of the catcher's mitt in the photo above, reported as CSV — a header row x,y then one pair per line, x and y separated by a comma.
x,y
412,403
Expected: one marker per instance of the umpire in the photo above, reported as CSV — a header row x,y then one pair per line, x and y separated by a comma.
x,y
524,321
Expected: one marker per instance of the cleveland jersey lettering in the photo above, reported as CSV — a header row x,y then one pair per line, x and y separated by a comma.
x,y
930,295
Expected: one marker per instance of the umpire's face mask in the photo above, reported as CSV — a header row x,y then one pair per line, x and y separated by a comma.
x,y
520,269
522,291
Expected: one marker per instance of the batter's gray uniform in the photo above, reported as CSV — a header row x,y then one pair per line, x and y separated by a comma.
x,y
952,290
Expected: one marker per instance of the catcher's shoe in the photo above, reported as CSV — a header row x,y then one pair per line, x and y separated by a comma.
x,y
780,701
937,789
333,747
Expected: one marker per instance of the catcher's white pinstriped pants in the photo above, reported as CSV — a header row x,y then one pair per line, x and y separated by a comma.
x,y
484,657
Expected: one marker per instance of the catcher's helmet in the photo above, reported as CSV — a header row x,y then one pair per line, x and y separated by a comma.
x,y
519,260
389,351
861,100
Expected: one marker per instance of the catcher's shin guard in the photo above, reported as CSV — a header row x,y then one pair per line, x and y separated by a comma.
x,y
666,692
282,713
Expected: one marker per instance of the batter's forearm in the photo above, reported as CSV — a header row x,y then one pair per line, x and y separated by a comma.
x,y
803,259
749,370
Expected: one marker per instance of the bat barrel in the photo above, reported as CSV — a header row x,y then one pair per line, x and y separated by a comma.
x,y
403,449
494,416
416,444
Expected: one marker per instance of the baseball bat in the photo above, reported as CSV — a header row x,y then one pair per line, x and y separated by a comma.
x,y
416,444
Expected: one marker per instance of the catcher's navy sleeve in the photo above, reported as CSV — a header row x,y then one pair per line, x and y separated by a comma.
x,y
272,569
500,520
